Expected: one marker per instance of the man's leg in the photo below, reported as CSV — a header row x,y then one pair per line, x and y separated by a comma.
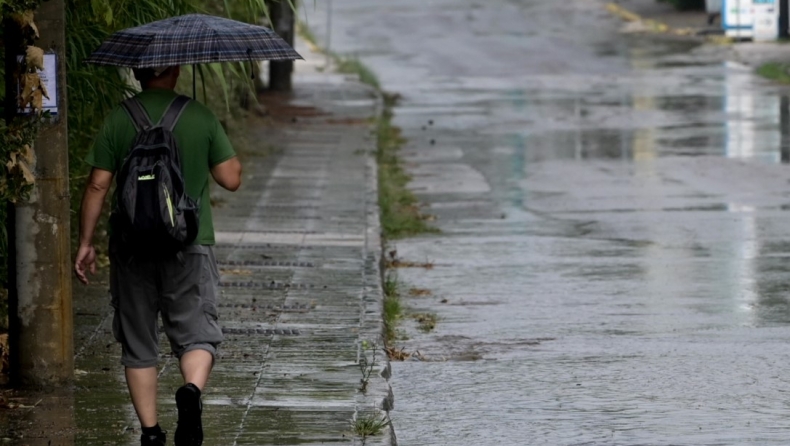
x,y
196,367
133,289
189,316
142,388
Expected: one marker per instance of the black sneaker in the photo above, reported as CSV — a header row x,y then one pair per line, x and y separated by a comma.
x,y
190,427
154,440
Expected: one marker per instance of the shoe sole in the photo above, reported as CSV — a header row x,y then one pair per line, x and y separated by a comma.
x,y
190,429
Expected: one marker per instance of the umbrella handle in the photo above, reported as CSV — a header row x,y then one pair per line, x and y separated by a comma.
x,y
252,67
194,82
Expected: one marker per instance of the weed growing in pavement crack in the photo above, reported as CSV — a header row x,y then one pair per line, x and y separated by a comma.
x,y
427,321
367,367
369,424
392,306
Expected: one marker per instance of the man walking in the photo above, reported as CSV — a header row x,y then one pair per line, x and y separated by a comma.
x,y
182,287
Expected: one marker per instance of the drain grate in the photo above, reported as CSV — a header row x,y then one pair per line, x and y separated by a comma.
x,y
268,286
295,307
265,263
284,207
262,331
268,246
266,216
277,231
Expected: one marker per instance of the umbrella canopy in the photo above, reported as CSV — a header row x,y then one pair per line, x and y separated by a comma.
x,y
191,39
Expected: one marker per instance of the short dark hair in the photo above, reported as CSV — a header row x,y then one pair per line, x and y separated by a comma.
x,y
145,75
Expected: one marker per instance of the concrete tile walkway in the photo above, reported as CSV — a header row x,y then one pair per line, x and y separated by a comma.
x,y
299,249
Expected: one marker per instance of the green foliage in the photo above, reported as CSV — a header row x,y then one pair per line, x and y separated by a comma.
x,y
15,139
400,214
14,6
775,71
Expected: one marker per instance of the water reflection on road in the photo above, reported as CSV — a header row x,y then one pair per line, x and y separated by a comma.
x,y
613,264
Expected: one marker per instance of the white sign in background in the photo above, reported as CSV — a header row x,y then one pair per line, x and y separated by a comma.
x,y
766,20
49,78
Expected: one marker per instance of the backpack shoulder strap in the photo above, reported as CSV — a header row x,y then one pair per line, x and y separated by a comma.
x,y
137,113
173,112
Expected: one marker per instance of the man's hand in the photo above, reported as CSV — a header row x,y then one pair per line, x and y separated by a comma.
x,y
85,262
99,183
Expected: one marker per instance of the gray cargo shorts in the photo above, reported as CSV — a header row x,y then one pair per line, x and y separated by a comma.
x,y
183,289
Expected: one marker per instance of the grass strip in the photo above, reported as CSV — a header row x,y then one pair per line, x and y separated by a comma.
x,y
393,310
775,71
400,211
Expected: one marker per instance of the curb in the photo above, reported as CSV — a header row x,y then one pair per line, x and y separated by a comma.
x,y
379,389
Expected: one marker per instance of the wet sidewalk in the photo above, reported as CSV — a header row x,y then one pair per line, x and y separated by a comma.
x,y
298,248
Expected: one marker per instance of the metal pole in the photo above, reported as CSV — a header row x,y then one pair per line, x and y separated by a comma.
x,y
41,322
784,19
784,129
328,50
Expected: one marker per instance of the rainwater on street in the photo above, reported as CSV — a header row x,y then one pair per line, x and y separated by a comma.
x,y
614,259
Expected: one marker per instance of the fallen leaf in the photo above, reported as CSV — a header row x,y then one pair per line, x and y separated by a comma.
x,y
27,173
29,82
34,57
37,101
5,363
12,162
237,272
33,92
397,354
26,20
29,154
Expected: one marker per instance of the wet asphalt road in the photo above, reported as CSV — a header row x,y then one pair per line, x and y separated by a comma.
x,y
615,255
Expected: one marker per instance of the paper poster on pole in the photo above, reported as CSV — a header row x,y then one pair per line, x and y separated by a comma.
x,y
49,77
737,18
766,20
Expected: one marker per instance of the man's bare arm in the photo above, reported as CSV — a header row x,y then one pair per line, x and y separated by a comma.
x,y
92,201
228,174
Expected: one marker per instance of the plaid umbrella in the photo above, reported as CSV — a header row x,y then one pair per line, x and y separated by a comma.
x,y
191,39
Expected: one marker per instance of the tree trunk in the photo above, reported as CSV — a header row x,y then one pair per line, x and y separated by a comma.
x,y
283,23
40,317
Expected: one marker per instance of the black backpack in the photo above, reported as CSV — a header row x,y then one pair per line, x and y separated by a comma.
x,y
153,216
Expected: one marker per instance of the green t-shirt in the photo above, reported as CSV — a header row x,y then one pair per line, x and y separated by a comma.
x,y
202,144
